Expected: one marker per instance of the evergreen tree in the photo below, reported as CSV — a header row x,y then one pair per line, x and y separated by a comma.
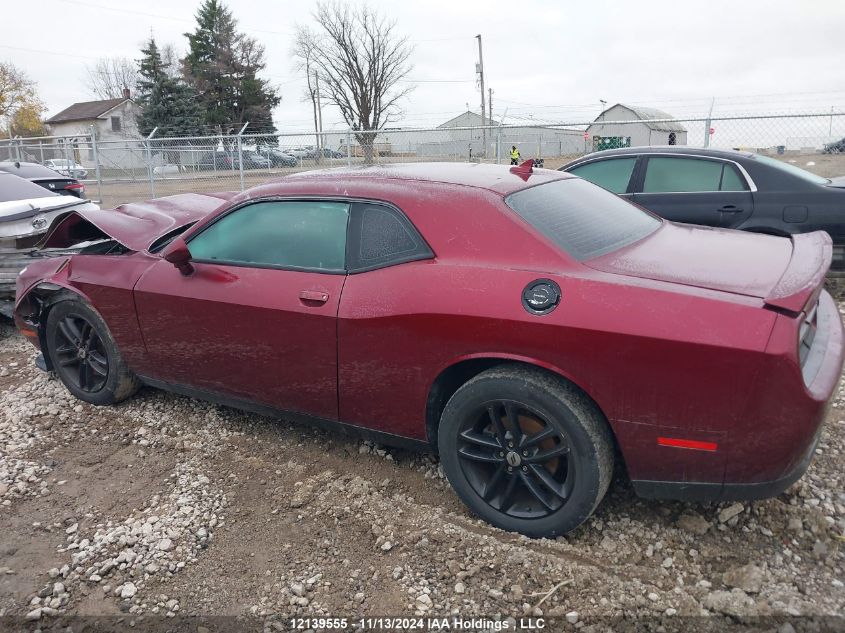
x,y
222,66
167,103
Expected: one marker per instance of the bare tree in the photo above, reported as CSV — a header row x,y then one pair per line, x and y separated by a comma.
x,y
304,51
171,59
362,63
108,76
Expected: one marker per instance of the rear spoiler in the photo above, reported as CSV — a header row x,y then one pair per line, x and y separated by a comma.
x,y
803,278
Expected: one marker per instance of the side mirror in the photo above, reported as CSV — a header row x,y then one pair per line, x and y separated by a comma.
x,y
177,253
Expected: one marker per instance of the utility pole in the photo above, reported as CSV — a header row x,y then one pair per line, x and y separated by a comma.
x,y
490,105
480,70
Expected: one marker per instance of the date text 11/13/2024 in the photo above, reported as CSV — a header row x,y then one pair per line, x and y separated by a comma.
x,y
454,623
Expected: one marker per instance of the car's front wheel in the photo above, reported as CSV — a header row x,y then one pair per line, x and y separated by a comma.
x,y
85,356
526,451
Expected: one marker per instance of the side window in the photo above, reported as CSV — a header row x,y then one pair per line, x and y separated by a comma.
x,y
668,174
613,175
303,235
382,236
731,180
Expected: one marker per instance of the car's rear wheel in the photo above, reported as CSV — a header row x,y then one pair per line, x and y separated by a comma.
x,y
85,356
526,451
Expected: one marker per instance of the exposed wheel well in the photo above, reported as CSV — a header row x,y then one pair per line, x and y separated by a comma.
x,y
452,378
36,306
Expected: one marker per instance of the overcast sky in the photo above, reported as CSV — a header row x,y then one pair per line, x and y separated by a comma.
x,y
548,59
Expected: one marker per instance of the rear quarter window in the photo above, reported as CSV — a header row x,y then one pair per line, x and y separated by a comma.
x,y
581,218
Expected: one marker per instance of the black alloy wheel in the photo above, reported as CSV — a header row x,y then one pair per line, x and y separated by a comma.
x,y
526,450
83,353
517,461
80,354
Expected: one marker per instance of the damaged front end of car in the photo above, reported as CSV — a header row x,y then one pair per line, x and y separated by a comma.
x,y
24,225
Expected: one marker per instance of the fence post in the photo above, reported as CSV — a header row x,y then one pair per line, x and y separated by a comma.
x,y
217,141
150,163
67,157
97,164
348,148
241,154
708,123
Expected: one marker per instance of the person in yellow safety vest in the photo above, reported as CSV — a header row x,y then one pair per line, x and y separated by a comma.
x,y
514,155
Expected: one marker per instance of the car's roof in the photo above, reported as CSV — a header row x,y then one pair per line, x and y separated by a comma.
x,y
666,149
29,170
498,178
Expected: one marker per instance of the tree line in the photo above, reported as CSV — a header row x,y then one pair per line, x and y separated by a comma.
x,y
351,52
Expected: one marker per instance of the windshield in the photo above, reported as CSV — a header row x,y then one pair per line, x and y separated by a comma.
x,y
583,219
791,169
16,188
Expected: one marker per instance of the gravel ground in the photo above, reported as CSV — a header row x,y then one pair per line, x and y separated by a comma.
x,y
165,507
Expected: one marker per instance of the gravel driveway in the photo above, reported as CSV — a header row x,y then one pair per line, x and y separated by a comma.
x,y
164,507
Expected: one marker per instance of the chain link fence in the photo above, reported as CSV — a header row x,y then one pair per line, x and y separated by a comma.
x,y
126,170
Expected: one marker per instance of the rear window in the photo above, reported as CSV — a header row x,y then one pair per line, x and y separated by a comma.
x,y
791,169
30,170
584,220
15,188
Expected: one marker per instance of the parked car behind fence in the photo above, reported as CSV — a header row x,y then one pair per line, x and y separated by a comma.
x,y
722,188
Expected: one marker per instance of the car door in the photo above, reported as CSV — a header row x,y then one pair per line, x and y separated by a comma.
x,y
387,260
257,317
695,190
613,174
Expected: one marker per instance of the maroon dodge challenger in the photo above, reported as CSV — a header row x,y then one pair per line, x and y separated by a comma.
x,y
534,329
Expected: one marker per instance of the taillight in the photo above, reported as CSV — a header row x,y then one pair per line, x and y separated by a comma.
x,y
76,186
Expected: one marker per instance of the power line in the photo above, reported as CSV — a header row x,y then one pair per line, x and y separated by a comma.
x,y
438,81
35,50
159,16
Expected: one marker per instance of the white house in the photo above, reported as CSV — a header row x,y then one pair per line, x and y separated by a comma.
x,y
114,123
634,126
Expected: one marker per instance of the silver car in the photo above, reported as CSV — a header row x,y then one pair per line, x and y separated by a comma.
x,y
67,167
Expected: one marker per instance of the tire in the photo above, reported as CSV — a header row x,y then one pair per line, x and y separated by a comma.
x,y
549,436
84,355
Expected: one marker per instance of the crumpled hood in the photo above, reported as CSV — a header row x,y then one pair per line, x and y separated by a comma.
x,y
135,225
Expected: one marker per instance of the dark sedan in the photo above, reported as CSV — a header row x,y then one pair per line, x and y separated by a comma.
x,y
46,177
722,188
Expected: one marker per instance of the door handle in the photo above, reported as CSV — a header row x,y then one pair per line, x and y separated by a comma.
x,y
730,208
316,296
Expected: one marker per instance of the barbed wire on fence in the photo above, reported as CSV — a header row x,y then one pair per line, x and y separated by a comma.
x,y
127,169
